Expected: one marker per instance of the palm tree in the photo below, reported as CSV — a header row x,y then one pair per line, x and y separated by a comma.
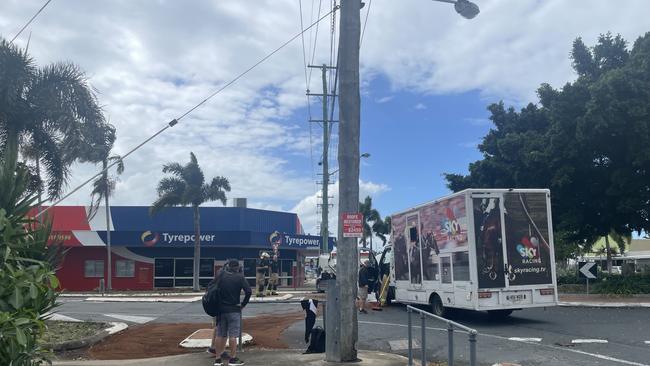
x,y
186,187
103,188
382,228
370,218
50,113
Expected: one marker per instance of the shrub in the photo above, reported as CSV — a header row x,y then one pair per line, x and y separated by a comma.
x,y
27,280
623,285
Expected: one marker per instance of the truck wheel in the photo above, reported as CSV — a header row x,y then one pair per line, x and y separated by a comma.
x,y
500,314
437,308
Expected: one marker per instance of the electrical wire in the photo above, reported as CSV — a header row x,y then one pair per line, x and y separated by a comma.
x,y
313,56
175,120
311,132
365,22
30,21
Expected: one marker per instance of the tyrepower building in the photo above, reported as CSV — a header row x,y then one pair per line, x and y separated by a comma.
x,y
156,252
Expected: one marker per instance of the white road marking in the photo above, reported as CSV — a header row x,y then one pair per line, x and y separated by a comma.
x,y
521,339
595,355
131,318
63,318
646,342
116,327
582,341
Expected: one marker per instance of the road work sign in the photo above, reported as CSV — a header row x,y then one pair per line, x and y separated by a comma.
x,y
588,270
352,224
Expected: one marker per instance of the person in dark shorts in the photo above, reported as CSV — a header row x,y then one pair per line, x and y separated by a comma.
x,y
363,286
275,275
261,276
232,283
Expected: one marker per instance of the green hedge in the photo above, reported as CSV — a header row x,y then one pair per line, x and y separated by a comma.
x,y
623,285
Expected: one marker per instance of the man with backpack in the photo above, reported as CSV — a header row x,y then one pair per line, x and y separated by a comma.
x,y
228,287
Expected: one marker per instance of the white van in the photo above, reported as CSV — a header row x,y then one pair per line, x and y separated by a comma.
x,y
480,249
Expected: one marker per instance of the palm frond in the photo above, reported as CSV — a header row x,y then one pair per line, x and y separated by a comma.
x,y
173,168
164,201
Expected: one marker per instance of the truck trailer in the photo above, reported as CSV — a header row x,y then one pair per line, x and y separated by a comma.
x,y
479,249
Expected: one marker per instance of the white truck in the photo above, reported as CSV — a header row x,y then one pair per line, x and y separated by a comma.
x,y
479,249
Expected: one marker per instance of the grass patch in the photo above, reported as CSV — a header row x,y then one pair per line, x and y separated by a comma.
x,y
60,331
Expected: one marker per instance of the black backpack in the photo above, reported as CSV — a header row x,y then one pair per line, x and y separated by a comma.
x,y
316,341
211,299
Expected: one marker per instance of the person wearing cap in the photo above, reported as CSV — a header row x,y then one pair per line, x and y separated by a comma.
x,y
261,274
231,284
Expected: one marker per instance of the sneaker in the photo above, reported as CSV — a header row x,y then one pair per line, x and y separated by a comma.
x,y
236,362
211,350
218,362
363,311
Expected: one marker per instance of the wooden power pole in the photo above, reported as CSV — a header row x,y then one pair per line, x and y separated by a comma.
x,y
347,264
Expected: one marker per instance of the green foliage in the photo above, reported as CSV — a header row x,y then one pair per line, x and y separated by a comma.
x,y
623,285
27,280
52,113
589,142
186,187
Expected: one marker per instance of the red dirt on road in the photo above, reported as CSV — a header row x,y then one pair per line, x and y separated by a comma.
x,y
160,339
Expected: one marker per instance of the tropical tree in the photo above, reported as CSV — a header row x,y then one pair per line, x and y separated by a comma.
x,y
51,113
589,142
382,228
103,188
371,219
186,187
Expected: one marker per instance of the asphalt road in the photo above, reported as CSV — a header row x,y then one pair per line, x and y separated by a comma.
x,y
547,334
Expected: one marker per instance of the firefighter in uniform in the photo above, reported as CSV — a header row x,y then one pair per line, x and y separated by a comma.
x,y
261,279
275,277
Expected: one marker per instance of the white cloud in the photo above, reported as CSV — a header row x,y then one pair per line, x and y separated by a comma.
x,y
385,99
151,61
505,52
306,208
420,106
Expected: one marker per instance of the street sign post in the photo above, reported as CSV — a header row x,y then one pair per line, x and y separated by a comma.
x,y
588,270
352,224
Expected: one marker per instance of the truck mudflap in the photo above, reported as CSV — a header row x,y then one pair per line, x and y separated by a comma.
x,y
491,299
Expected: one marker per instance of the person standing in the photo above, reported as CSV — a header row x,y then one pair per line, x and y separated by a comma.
x,y
261,274
231,284
363,286
275,277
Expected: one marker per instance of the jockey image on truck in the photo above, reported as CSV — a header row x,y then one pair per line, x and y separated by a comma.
x,y
478,249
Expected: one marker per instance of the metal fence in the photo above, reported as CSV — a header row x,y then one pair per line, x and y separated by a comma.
x,y
451,326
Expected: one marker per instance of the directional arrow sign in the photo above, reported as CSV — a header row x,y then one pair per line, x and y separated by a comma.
x,y
587,270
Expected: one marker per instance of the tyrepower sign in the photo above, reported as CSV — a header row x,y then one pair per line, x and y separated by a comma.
x,y
352,224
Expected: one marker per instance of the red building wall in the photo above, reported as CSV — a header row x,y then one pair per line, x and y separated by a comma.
x,y
72,278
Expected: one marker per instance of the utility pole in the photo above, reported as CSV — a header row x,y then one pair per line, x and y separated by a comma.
x,y
324,226
348,158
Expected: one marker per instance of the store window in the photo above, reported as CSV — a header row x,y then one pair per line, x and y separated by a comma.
x,y
461,266
124,268
94,268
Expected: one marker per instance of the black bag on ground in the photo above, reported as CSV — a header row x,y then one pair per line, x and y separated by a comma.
x,y
211,298
316,341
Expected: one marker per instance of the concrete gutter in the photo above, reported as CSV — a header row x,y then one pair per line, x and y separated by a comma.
x,y
604,304
115,327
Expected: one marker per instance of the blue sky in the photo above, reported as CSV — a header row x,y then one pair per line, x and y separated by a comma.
x,y
427,77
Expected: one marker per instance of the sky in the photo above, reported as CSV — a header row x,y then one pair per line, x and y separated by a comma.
x,y
427,76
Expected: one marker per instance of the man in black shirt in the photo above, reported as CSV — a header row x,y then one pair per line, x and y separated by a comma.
x,y
231,284
363,286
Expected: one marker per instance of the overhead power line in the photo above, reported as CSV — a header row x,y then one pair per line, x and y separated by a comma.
x,y
173,122
30,21
365,22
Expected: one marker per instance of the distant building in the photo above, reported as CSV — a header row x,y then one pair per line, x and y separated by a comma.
x,y
636,252
157,252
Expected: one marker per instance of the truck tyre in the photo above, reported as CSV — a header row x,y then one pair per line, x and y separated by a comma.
x,y
500,314
437,308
